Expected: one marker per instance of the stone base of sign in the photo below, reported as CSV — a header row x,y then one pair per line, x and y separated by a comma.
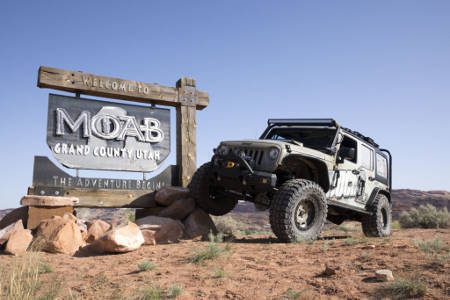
x,y
33,200
37,214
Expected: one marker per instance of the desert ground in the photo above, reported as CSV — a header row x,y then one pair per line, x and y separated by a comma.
x,y
254,266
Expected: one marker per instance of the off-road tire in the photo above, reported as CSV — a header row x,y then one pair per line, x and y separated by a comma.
x,y
379,223
209,198
285,206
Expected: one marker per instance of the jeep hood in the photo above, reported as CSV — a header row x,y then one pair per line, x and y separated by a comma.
x,y
298,149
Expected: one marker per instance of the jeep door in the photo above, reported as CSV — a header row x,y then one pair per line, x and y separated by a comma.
x,y
366,170
345,182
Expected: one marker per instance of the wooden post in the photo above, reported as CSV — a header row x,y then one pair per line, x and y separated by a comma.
x,y
186,129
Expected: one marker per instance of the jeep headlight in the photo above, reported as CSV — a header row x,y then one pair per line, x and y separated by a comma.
x,y
223,150
273,153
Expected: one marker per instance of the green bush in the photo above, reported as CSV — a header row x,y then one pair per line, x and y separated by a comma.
x,y
404,288
146,266
212,251
174,291
425,216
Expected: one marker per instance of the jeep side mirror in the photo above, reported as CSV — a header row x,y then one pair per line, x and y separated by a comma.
x,y
346,153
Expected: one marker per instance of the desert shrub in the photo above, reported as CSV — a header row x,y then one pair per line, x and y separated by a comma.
x,y
45,268
174,291
146,266
425,216
404,288
396,225
431,245
130,214
152,293
211,251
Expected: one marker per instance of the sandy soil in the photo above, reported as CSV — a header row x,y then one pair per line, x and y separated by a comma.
x,y
254,267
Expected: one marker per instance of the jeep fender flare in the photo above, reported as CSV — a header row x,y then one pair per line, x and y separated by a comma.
x,y
314,164
374,194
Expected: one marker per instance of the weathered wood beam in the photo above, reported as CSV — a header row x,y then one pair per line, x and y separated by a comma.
x,y
186,130
116,88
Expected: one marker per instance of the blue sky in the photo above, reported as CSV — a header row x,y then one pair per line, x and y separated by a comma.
x,y
379,67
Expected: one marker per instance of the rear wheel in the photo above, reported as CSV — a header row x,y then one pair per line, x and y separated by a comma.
x,y
213,200
298,211
379,223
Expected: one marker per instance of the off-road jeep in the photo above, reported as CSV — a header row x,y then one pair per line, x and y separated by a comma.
x,y
306,171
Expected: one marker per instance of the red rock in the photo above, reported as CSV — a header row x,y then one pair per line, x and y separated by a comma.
x,y
152,222
96,229
168,195
59,235
179,209
125,238
6,232
145,212
170,233
18,241
198,224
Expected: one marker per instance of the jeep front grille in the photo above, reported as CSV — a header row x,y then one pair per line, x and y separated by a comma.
x,y
256,155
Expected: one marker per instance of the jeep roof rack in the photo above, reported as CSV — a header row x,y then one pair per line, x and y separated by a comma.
x,y
361,136
304,122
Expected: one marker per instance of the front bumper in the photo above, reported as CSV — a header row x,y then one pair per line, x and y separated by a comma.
x,y
235,173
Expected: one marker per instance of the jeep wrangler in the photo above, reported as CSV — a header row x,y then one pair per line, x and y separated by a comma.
x,y
305,171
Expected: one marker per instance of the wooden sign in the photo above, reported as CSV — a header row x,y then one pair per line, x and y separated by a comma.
x,y
116,88
100,135
184,96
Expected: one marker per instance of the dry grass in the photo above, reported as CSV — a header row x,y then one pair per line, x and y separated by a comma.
x,y
22,280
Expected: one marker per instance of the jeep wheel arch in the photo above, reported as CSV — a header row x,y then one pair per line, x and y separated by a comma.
x,y
319,169
375,193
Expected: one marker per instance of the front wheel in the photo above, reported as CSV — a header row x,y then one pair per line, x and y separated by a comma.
x,y
298,211
378,224
211,199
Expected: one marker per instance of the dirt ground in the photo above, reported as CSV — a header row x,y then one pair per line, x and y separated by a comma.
x,y
253,267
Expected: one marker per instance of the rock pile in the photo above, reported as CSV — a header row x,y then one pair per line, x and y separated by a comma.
x,y
174,216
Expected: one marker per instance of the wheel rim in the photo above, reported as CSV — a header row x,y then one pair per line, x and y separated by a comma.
x,y
304,214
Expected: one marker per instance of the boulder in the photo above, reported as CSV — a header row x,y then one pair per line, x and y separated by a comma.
x,y
124,238
18,241
179,209
168,195
96,229
6,232
152,222
198,224
149,237
170,233
384,275
20,213
145,212
59,235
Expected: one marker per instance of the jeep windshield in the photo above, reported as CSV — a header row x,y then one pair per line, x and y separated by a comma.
x,y
316,138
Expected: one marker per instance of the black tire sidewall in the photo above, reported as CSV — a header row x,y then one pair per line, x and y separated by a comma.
x,y
384,229
200,189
